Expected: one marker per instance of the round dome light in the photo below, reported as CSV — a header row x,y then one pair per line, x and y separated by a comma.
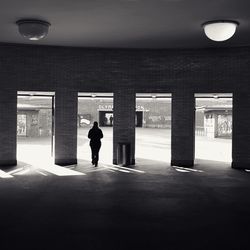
x,y
220,30
33,29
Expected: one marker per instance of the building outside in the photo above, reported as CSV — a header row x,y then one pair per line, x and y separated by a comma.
x,y
34,117
34,120
217,121
149,113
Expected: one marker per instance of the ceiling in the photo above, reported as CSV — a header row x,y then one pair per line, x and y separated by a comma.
x,y
126,23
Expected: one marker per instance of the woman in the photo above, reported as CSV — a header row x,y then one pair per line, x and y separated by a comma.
x,y
95,134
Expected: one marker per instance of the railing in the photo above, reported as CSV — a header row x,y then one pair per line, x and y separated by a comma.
x,y
199,131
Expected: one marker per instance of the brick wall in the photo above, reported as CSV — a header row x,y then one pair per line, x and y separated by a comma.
x,y
241,130
48,68
8,127
65,127
124,122
38,68
183,128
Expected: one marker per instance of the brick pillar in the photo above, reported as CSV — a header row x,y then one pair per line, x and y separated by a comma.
x,y
183,129
8,127
124,122
241,131
65,145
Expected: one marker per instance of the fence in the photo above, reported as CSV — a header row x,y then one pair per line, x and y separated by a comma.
x,y
199,131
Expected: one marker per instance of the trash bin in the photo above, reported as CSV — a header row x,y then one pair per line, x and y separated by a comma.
x,y
123,153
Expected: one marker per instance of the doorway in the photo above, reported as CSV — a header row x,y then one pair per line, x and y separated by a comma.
x,y
95,107
213,127
106,118
153,130
35,126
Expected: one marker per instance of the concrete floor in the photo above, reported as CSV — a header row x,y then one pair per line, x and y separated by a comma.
x,y
149,206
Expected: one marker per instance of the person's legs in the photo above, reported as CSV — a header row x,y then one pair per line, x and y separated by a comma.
x,y
92,153
97,153
97,148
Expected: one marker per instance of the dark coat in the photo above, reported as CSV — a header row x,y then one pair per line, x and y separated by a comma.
x,y
95,135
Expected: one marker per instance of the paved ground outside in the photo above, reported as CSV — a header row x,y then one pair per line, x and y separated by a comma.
x,y
151,144
155,144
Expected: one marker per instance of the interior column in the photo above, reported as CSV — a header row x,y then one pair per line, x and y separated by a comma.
x,y
8,127
65,143
183,129
241,131
124,123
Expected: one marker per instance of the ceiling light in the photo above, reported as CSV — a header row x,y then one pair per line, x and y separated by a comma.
x,y
33,29
220,30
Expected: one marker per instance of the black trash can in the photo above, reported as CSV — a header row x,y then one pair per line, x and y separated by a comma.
x,y
123,153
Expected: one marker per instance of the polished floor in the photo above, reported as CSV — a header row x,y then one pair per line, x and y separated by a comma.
x,y
150,206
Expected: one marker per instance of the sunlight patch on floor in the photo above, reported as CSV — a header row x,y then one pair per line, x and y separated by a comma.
x,y
187,170
60,171
5,175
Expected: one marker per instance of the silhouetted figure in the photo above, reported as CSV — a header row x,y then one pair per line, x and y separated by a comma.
x,y
111,120
95,134
105,120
